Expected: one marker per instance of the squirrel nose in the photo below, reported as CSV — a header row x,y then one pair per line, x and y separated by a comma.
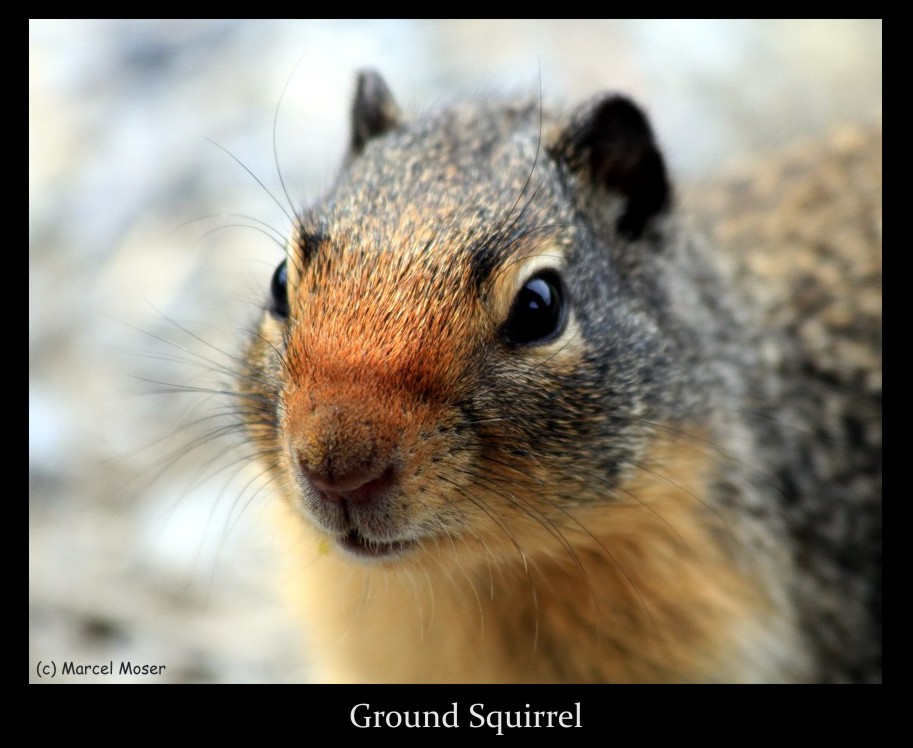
x,y
360,487
345,458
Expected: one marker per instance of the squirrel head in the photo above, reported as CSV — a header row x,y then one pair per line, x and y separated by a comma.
x,y
457,344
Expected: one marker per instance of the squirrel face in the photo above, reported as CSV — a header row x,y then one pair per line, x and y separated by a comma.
x,y
425,347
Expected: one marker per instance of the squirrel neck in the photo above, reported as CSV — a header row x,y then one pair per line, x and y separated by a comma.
x,y
611,583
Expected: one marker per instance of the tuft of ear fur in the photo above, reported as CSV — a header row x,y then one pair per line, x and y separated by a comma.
x,y
610,140
374,111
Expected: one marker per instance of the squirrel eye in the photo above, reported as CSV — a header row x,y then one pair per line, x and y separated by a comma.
x,y
538,314
279,290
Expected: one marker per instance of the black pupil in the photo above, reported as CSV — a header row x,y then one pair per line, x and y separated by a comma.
x,y
279,291
538,312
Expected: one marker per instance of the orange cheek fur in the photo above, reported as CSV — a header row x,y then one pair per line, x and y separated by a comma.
x,y
372,377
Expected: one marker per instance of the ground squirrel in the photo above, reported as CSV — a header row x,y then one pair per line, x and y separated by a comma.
x,y
533,425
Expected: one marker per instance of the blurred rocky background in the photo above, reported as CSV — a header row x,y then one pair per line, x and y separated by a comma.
x,y
150,249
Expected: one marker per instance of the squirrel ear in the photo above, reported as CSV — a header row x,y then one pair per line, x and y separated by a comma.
x,y
610,140
374,110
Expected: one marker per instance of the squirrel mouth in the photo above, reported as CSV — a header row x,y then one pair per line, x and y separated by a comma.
x,y
355,543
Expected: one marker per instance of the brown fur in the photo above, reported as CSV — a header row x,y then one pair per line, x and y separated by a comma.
x,y
659,492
